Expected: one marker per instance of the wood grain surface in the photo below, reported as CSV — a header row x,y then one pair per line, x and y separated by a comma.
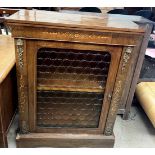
x,y
7,55
120,36
49,18
64,140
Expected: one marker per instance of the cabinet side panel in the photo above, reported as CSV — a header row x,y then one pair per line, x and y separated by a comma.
x,y
137,70
130,75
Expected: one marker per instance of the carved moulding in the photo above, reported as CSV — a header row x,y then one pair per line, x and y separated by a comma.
x,y
118,89
21,83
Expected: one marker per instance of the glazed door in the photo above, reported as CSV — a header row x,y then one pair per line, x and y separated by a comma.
x,y
70,85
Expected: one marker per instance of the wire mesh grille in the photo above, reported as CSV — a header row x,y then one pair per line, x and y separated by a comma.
x,y
69,109
72,69
70,86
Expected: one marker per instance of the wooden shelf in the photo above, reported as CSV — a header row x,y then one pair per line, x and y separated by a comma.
x,y
49,88
70,84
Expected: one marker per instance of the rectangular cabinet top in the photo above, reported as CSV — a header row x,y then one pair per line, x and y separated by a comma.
x,y
99,22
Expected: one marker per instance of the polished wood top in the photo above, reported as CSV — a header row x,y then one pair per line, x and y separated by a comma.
x,y
138,19
8,11
7,55
61,20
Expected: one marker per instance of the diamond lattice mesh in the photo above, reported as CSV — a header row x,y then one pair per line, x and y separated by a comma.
x,y
71,87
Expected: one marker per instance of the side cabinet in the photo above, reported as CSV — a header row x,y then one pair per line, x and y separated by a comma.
x,y
8,87
71,78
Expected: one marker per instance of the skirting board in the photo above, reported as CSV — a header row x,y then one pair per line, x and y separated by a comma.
x,y
32,140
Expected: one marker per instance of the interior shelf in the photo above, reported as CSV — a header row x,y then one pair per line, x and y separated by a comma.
x,y
70,89
70,82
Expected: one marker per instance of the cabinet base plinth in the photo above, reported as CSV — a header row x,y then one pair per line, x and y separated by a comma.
x,y
64,140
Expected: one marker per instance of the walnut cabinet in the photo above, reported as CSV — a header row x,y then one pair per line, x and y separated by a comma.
x,y
72,72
